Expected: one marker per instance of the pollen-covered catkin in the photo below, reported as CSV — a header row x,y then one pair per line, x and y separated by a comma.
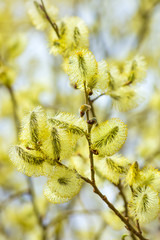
x,y
108,137
144,205
37,15
29,162
35,129
63,185
73,36
113,168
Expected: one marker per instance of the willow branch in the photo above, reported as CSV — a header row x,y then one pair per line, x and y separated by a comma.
x,y
14,103
93,184
110,205
92,108
119,186
36,211
89,137
139,228
53,24
12,197
94,99
146,15
67,213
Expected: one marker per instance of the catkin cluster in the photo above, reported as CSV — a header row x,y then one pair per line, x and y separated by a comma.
x,y
45,141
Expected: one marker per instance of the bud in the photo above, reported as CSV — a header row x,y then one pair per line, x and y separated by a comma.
x,y
84,108
94,151
92,121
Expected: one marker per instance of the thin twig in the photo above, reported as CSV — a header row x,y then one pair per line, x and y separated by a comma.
x,y
89,137
53,24
123,197
67,213
93,183
14,103
36,211
92,108
110,205
138,226
94,99
12,197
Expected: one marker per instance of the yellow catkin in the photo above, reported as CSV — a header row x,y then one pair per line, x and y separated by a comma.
x,y
73,36
29,162
38,17
108,137
144,205
113,167
63,185
82,68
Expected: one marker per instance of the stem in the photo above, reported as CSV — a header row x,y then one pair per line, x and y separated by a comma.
x,y
123,219
93,184
14,103
67,213
94,99
12,197
53,24
123,197
92,108
139,228
36,211
89,138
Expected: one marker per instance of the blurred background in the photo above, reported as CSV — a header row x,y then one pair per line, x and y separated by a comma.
x,y
119,29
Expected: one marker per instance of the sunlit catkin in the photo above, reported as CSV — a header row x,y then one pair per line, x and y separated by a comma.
x,y
73,36
113,167
145,204
108,137
37,15
63,185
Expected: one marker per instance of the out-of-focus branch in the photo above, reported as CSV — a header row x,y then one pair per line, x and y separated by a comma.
x,y
12,197
94,99
146,16
36,211
67,213
29,181
14,103
119,186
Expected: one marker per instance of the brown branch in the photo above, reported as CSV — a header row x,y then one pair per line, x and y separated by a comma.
x,y
138,226
94,99
119,186
123,219
89,137
53,24
93,184
92,108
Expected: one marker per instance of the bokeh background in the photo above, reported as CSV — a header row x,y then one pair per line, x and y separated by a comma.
x,y
119,29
